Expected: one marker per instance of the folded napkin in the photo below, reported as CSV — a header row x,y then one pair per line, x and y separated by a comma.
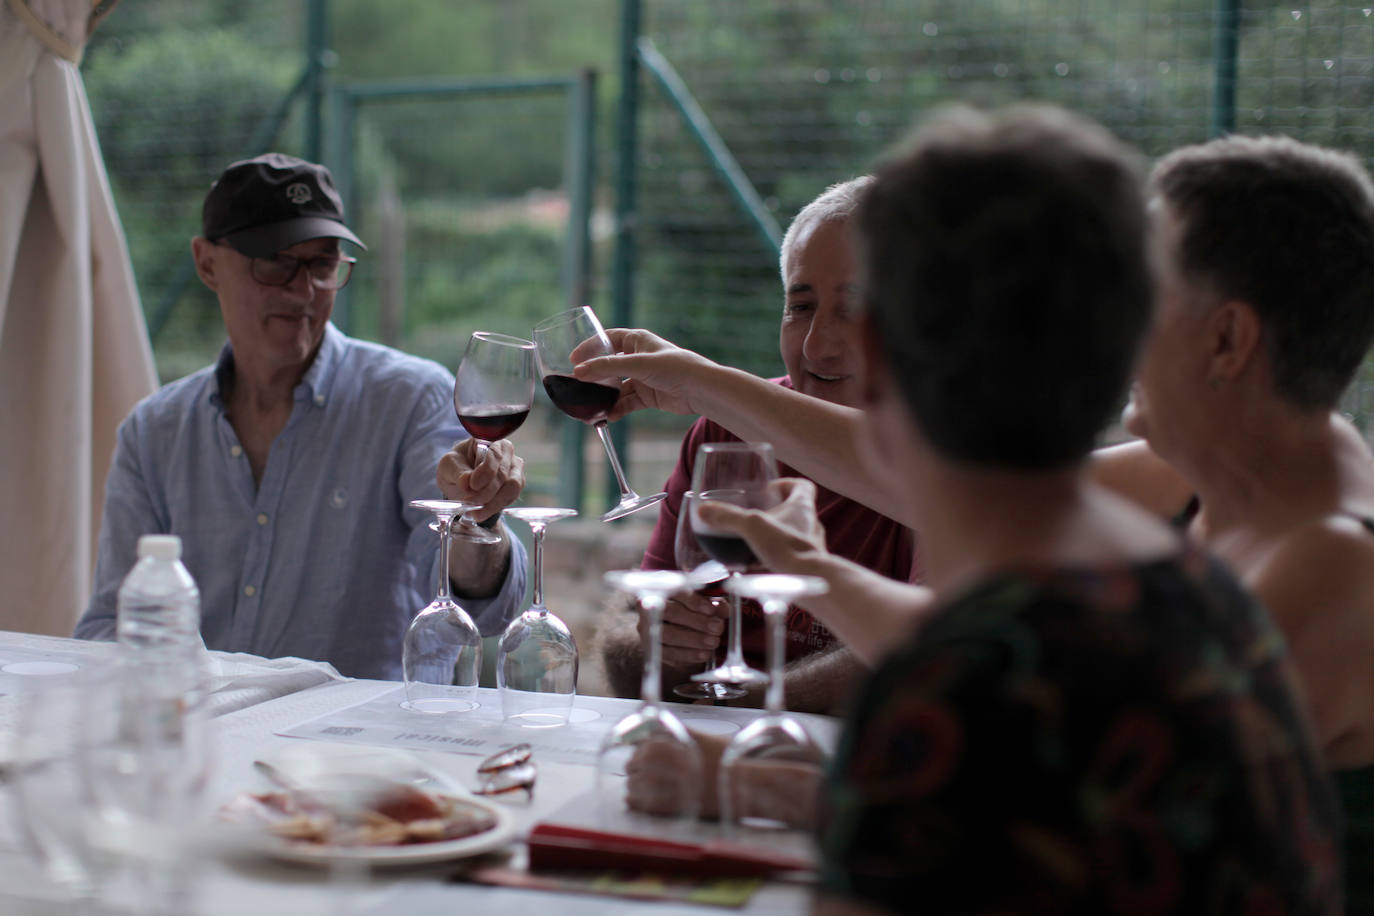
x,y
237,680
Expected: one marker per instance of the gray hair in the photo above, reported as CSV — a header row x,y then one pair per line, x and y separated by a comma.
x,y
836,202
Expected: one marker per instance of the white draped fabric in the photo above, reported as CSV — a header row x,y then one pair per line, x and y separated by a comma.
x,y
74,350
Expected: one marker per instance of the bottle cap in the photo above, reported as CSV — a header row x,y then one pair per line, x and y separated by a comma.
x,y
161,546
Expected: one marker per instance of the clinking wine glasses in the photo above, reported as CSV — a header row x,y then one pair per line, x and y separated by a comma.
x,y
772,766
536,670
739,473
556,339
492,393
442,655
651,736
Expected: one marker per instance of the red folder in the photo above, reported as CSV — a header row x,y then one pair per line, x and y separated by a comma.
x,y
561,846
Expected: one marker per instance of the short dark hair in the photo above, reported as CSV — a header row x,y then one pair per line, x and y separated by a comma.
x,y
1288,228
1004,261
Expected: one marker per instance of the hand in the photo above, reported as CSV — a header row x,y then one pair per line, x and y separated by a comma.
x,y
492,480
692,625
659,374
785,538
651,785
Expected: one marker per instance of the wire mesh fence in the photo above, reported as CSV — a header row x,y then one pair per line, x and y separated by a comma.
x,y
469,193
808,92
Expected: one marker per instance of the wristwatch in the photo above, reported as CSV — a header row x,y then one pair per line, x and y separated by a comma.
x,y
492,522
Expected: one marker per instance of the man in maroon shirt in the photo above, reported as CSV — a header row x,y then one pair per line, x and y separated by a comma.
x,y
820,352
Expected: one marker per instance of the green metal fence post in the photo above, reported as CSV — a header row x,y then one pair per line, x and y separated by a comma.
x,y
1225,49
626,154
317,56
342,115
580,169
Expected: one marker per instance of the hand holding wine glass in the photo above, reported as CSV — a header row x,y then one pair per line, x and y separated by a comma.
x,y
561,342
492,393
693,628
739,474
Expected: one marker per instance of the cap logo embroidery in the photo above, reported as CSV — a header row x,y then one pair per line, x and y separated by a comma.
x,y
298,193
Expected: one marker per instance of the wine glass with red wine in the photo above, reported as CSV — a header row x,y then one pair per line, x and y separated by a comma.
x,y
555,341
492,395
691,558
737,473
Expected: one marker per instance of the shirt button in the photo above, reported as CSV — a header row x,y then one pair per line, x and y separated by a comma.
x,y
262,518
319,399
250,591
236,451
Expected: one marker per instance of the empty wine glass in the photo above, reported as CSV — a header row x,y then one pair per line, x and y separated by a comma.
x,y
147,758
536,670
492,393
651,735
738,473
691,558
772,765
49,788
442,655
555,340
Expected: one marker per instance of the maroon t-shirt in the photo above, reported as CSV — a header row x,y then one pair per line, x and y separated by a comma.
x,y
852,531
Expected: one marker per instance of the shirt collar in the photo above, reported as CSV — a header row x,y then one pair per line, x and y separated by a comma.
x,y
316,382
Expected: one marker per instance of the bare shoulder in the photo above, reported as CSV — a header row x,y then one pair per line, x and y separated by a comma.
x,y
1318,584
1323,569
1134,471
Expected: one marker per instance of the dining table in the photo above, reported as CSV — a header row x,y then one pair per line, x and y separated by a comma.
x,y
268,709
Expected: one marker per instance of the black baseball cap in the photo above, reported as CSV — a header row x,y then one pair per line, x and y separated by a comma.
x,y
261,205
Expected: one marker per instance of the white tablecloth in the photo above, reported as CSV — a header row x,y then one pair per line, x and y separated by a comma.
x,y
236,884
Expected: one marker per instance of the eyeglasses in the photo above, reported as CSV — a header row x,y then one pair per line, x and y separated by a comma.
x,y
330,272
510,770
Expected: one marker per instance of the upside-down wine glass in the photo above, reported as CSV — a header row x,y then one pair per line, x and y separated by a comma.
x,y
690,557
556,339
650,730
760,765
442,655
738,473
536,670
492,393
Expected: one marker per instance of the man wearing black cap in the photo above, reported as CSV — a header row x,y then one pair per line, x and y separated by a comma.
x,y
287,467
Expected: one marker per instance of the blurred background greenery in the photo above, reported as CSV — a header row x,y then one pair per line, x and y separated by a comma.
x,y
465,199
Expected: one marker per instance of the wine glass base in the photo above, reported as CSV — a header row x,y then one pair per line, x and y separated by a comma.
x,y
473,533
539,718
738,675
709,691
436,706
631,504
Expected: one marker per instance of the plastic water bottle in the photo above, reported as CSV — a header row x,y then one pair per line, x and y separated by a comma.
x,y
158,623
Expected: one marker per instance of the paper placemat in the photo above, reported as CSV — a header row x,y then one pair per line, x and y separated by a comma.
x,y
384,720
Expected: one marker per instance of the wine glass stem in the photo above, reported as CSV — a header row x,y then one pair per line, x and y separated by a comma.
x,y
537,564
445,525
605,435
651,687
735,654
774,611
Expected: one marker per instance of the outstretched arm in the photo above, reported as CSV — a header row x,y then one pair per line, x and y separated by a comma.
x,y
867,611
1134,471
814,436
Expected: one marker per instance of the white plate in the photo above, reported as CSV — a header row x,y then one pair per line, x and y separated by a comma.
x,y
408,854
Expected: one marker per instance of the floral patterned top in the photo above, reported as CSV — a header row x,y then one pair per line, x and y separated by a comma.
x,y
1123,739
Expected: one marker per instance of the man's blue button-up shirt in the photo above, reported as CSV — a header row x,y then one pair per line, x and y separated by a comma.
x,y
324,559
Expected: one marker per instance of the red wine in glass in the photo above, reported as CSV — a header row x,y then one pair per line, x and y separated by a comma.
x,y
557,339
492,423
729,549
585,401
492,393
